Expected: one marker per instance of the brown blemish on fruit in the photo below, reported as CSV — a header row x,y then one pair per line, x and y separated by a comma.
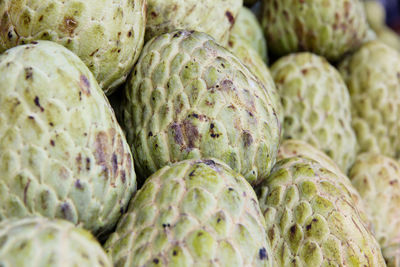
x,y
52,143
230,17
78,184
178,136
28,73
192,133
263,254
247,138
37,103
114,160
84,84
69,25
26,190
66,211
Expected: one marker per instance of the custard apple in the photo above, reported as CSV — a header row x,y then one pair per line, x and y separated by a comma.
x,y
372,77
62,153
375,13
214,17
188,97
192,213
377,178
107,35
249,29
246,53
389,37
311,219
38,241
316,105
298,148
329,28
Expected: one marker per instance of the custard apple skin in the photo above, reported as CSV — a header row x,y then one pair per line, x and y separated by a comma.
x,y
311,219
316,106
62,153
188,98
297,148
107,35
192,213
375,14
246,53
329,28
249,29
214,17
371,75
40,242
377,178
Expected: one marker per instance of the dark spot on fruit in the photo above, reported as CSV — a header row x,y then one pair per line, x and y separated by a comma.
x,y
37,103
69,25
66,211
212,126
84,84
178,135
51,124
192,133
218,220
200,234
209,162
308,227
52,143
156,261
230,189
250,113
150,134
174,253
247,138
156,145
293,229
119,51
263,254
26,190
9,35
230,17
114,160
392,182
195,115
123,176
129,34
165,225
28,73
94,52
78,184
41,18
191,173
121,210
31,117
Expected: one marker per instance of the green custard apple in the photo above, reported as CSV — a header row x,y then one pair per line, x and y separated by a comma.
x,y
311,218
249,29
214,17
192,213
375,13
372,77
377,178
316,105
62,152
190,98
40,242
329,28
107,35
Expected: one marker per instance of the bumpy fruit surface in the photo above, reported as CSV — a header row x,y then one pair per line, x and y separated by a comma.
x,y
375,13
193,213
298,148
372,76
37,242
311,219
107,35
389,37
62,153
214,17
377,178
329,28
188,97
316,105
249,29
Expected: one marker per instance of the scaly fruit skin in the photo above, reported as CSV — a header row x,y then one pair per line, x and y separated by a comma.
x,y
193,213
246,53
108,35
249,29
389,37
311,219
372,78
298,148
214,17
375,13
329,28
377,178
316,105
188,97
37,242
62,153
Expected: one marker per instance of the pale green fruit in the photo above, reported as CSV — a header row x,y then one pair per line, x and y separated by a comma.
x,y
193,213
246,53
107,35
329,28
376,14
249,29
372,77
389,37
188,97
62,153
214,17
298,148
40,242
377,178
312,220
316,106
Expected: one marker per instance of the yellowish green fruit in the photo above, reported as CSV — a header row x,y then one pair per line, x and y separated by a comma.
x,y
389,37
376,14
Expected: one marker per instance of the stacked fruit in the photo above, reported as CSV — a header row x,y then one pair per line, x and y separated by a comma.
x,y
206,155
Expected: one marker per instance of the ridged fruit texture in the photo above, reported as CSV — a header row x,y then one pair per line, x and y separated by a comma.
x,y
298,148
377,178
329,28
188,97
193,213
62,153
107,35
37,242
214,17
246,53
311,219
249,29
316,105
372,76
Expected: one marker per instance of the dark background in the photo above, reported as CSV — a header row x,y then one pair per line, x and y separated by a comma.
x,y
392,13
